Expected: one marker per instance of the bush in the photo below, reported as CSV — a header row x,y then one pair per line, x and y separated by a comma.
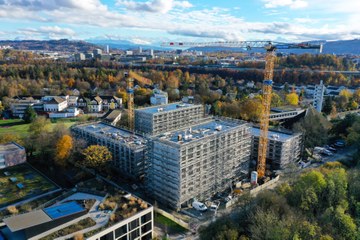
x,y
12,210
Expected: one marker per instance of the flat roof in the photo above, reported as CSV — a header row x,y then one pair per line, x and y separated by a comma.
x,y
273,135
112,132
199,131
7,147
26,220
167,107
63,210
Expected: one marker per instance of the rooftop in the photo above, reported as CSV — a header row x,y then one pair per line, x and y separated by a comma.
x,y
199,131
166,108
26,220
273,135
8,147
115,133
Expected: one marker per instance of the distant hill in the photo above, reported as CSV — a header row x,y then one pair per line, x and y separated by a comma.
x,y
333,47
122,44
62,45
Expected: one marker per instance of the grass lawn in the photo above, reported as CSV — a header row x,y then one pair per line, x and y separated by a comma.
x,y
32,182
168,225
18,127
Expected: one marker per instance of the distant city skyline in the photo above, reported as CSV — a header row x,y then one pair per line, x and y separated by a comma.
x,y
154,21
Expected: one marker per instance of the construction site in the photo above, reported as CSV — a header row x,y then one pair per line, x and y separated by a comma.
x,y
184,155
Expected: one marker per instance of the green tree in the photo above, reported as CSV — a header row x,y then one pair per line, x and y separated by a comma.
x,y
314,128
29,115
96,156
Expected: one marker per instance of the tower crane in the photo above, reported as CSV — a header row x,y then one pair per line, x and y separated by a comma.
x,y
130,76
270,48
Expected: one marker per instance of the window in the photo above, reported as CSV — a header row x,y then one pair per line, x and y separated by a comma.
x,y
147,237
109,236
146,218
134,224
134,234
146,228
120,231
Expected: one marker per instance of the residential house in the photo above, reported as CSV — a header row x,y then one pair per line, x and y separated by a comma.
x,y
111,102
95,104
55,103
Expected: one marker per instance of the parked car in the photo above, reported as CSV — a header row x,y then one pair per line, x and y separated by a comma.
x,y
331,148
199,206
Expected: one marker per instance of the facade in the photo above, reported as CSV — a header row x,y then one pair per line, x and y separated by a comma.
x,y
11,154
18,106
55,103
159,98
139,226
111,102
128,150
79,57
165,118
95,104
67,113
283,148
319,96
198,162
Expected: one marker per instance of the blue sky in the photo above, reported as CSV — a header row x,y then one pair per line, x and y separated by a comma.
x,y
153,21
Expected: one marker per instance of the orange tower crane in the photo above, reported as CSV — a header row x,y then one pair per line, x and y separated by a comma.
x,y
130,76
270,48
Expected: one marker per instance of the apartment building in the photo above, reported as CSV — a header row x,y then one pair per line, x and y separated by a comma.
x,y
319,96
169,117
283,148
159,97
198,162
18,106
128,150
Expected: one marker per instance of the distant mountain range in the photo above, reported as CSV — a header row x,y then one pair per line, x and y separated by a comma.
x,y
333,47
62,45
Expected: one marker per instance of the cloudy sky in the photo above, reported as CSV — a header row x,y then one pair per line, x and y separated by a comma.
x,y
153,21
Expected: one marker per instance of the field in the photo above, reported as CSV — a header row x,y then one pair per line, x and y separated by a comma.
x,y
21,182
18,127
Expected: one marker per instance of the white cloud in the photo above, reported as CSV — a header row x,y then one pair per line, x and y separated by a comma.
x,y
294,4
157,6
47,32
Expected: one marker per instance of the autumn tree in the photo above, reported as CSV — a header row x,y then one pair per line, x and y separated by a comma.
x,y
10,137
292,99
96,156
251,109
63,150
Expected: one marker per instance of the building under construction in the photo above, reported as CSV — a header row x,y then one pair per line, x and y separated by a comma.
x,y
283,148
169,117
129,151
198,161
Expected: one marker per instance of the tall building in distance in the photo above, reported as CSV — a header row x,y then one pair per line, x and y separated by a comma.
x,y
198,162
159,119
319,96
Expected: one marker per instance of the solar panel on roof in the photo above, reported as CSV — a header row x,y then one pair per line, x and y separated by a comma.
x,y
63,210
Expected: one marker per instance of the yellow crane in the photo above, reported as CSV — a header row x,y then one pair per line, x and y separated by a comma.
x,y
270,48
130,76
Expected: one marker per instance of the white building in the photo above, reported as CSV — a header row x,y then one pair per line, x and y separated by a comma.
x,y
319,96
67,113
159,97
55,103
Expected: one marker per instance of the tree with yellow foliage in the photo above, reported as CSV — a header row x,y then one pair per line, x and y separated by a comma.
x,y
96,156
63,149
292,99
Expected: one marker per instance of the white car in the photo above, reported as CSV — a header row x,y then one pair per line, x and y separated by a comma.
x,y
199,206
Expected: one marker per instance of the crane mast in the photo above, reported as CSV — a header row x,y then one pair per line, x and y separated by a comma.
x,y
270,48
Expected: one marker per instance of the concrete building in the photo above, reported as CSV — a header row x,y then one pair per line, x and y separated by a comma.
x,y
79,57
198,162
67,113
55,103
165,118
283,148
134,221
18,106
128,151
159,97
11,154
319,96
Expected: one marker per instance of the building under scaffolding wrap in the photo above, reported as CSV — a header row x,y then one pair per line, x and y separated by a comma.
x,y
169,117
128,150
283,148
199,161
